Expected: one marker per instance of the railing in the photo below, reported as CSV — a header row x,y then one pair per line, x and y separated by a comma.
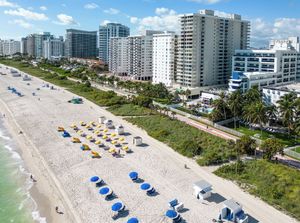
x,y
292,153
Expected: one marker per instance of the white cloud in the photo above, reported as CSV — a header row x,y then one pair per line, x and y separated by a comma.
x,y
21,23
27,14
43,8
91,6
165,19
103,23
112,11
5,3
64,19
209,2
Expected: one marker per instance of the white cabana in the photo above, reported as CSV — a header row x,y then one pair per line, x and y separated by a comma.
x,y
202,189
137,140
232,211
26,78
120,129
109,124
15,73
101,119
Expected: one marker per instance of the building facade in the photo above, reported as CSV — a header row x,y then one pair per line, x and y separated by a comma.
x,y
272,94
276,66
164,58
118,56
205,48
24,46
53,48
10,47
80,44
106,32
31,45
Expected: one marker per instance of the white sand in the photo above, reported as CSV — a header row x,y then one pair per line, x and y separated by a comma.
x,y
69,169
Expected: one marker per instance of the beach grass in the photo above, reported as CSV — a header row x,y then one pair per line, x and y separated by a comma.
x,y
274,183
185,139
130,110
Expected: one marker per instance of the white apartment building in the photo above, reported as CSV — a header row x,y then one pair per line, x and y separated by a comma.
x,y
205,47
164,58
10,47
276,66
118,55
53,48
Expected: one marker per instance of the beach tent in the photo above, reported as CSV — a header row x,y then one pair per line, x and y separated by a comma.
x,y
137,140
148,188
60,129
85,147
66,134
95,154
118,206
232,211
133,220
202,189
173,215
75,140
97,180
119,130
109,124
105,191
133,176
101,119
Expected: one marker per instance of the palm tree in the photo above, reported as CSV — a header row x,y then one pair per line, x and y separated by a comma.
x,y
220,107
255,113
271,113
252,95
287,109
235,105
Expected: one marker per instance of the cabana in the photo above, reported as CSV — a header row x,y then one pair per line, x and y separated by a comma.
x,y
133,220
232,211
97,180
176,205
148,188
95,154
75,140
137,140
101,119
26,78
109,124
106,191
117,207
85,147
60,129
120,130
133,176
202,189
173,215
66,134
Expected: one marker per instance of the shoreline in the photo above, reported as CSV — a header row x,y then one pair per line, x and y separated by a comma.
x,y
42,192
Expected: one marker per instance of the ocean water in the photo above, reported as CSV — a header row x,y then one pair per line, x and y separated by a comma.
x,y
16,204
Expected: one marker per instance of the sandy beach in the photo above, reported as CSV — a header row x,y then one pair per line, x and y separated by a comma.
x,y
63,171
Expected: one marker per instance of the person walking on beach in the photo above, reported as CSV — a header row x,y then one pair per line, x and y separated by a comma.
x,y
56,209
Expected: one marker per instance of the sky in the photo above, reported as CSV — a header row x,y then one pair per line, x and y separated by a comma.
x,y
269,18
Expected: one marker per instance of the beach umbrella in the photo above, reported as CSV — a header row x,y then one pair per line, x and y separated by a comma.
x,y
133,175
133,220
104,191
117,206
171,214
145,186
94,179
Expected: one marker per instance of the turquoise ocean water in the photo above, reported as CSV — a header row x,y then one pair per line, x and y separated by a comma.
x,y
16,204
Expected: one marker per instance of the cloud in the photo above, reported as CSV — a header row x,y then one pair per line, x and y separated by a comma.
x,y
5,3
91,6
103,23
165,19
112,11
64,19
21,23
280,28
43,8
27,14
208,2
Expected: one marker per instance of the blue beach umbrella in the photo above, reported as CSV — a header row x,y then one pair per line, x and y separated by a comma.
x,y
171,214
145,186
133,175
133,220
94,179
104,191
117,206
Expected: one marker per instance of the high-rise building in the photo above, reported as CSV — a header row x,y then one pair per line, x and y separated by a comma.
x,y
53,48
271,67
164,58
105,33
140,50
1,47
205,47
81,44
118,55
31,45
24,46
10,47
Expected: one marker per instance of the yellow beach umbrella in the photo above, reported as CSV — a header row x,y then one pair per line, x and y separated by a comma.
x,y
89,137
122,139
105,130
104,137
82,123
113,134
111,150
